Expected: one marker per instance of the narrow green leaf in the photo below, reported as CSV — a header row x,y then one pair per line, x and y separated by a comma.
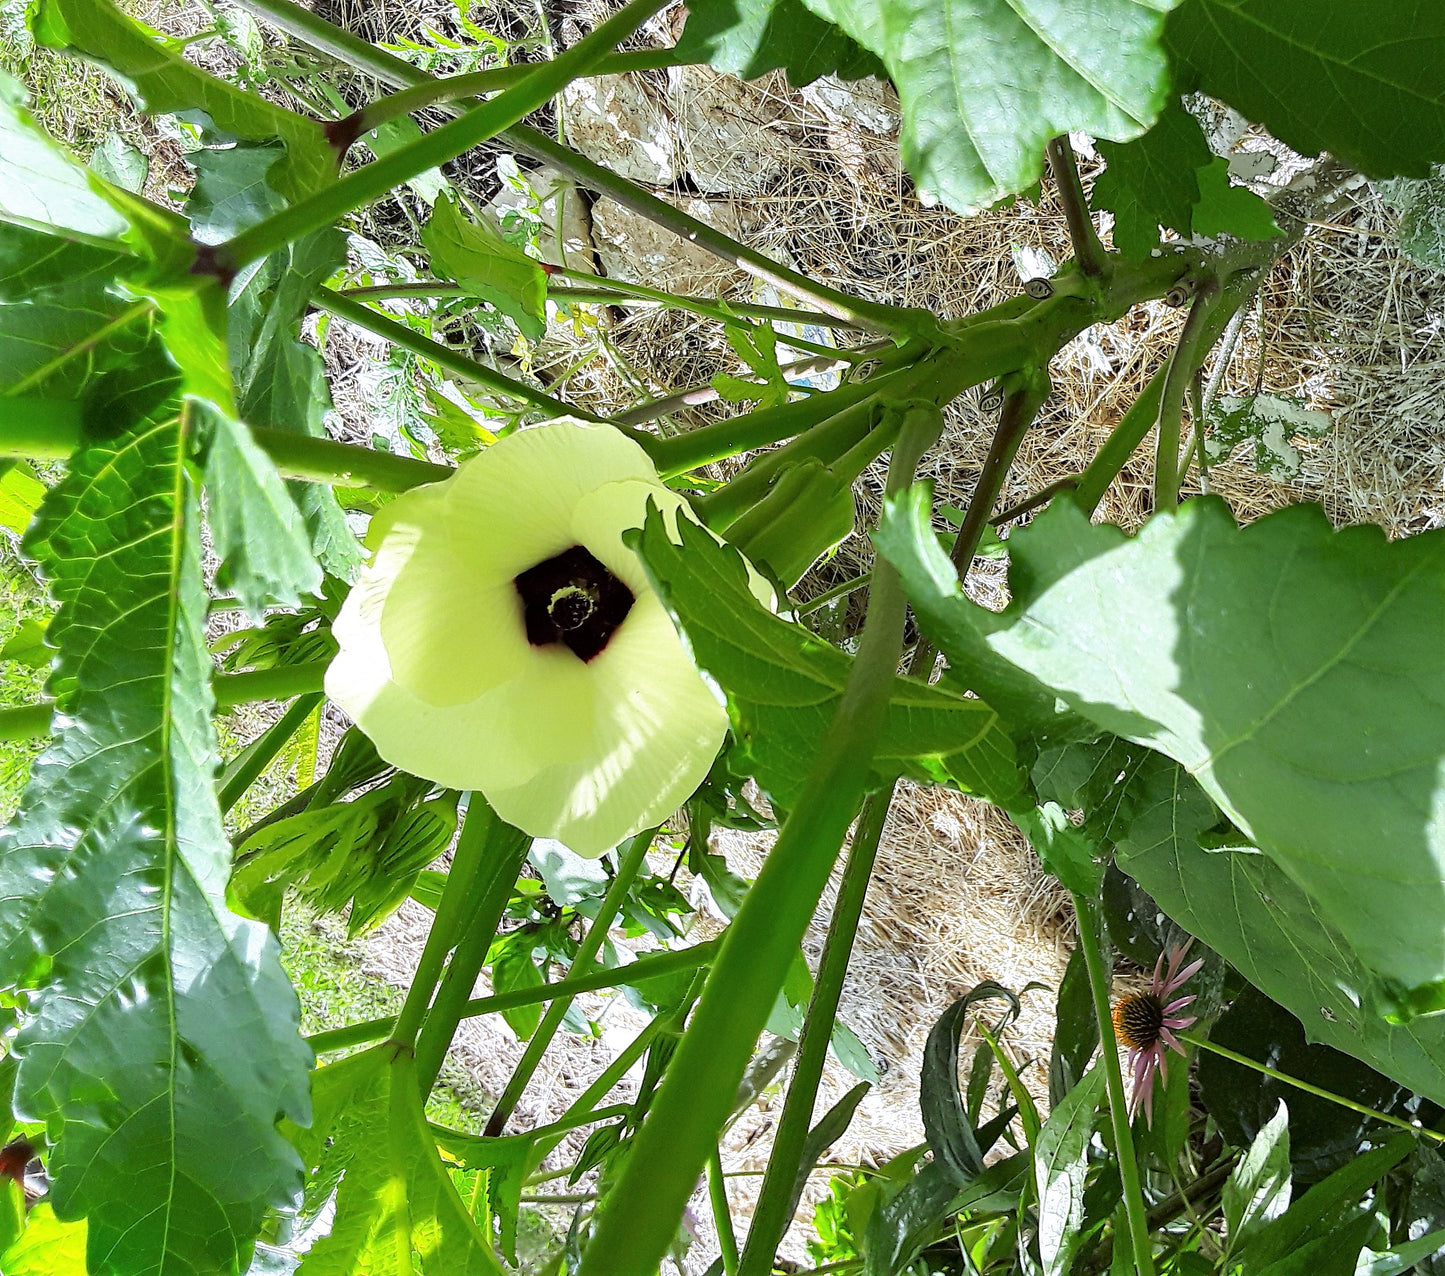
x,y
487,266
162,1039
1258,1189
986,83
749,38
153,67
1364,82
1077,1034
831,1127
784,683
1061,1163
1288,667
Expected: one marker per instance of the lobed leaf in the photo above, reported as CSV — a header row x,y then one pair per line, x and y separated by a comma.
x,y
487,266
749,38
161,1037
1364,82
984,84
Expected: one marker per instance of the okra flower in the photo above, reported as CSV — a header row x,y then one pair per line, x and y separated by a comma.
x,y
504,639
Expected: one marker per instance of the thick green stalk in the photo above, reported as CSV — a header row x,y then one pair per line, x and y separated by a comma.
x,y
247,766
490,894
1188,355
470,860
773,1212
1204,1043
650,966
1088,251
443,356
390,69
476,83
632,863
358,189
1088,920
638,1219
280,683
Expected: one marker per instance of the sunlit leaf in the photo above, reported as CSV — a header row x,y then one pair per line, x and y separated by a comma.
x,y
1061,1164
487,266
749,38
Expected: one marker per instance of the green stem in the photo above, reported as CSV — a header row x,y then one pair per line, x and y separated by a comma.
x,y
632,863
774,1209
1114,1083
27,721
36,434
443,356
651,966
1204,1043
469,862
603,291
390,69
280,683
717,1192
482,122
506,851
1183,363
476,83
831,595
1088,251
1028,1110
638,1220
247,766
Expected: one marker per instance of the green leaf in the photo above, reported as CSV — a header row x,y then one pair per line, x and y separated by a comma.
x,y
1258,1189
162,1036
905,538
1252,914
27,645
514,969
20,494
487,266
280,382
1364,82
1422,217
1077,1035
1065,851
1409,1256
120,163
255,526
831,1127
1287,666
1170,178
1061,1163
397,1209
749,38
984,84
47,1247
1322,1135
569,878
39,182
507,1162
783,682
154,68
1266,424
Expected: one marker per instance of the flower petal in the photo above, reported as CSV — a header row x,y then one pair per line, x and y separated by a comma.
x,y
1184,976
657,729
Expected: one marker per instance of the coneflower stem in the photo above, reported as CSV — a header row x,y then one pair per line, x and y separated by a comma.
x,y
1114,1085
1203,1043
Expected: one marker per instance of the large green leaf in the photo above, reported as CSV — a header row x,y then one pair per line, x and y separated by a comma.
x,y
784,683
1253,915
1293,669
985,84
160,1040
749,38
1365,82
397,1209
1169,177
155,68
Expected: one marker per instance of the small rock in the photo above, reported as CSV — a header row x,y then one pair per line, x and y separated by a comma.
x,y
636,250
868,103
725,141
618,121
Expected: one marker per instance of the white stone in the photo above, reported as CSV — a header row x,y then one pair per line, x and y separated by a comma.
x,y
618,121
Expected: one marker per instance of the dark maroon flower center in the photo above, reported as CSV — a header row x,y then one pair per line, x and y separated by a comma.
x,y
572,599
1138,1019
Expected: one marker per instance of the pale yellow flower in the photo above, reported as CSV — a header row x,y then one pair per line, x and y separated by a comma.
x,y
504,639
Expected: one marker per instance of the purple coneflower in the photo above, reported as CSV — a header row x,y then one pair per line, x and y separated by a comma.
x,y
1143,1022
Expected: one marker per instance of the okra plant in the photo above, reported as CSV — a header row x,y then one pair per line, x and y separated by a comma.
x,y
1226,742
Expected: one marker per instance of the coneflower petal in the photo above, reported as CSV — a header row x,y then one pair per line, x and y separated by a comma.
x,y
1184,1021
1184,976
1170,1039
1178,1005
